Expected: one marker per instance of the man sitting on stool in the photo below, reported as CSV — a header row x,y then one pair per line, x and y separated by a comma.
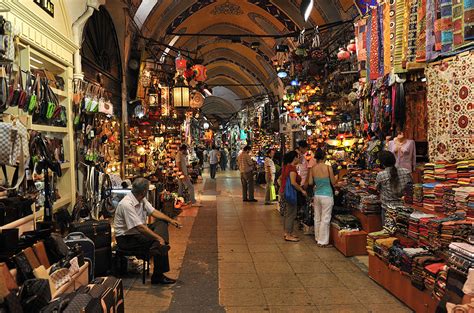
x,y
133,234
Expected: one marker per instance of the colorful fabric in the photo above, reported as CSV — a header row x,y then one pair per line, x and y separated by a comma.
x,y
450,109
368,44
380,40
399,26
421,32
438,24
430,30
374,56
412,29
386,38
361,39
406,15
416,112
458,23
446,25
468,20
393,20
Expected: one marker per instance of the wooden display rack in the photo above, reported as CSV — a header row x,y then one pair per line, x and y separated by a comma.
x,y
354,243
400,286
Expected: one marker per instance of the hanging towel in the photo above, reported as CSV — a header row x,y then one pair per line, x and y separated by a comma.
x,y
374,45
368,44
438,24
421,32
386,39
446,25
380,40
412,29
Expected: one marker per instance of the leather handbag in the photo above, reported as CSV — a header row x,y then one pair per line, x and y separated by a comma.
x,y
24,269
40,252
83,302
60,277
8,242
55,248
13,303
31,257
15,150
7,277
35,294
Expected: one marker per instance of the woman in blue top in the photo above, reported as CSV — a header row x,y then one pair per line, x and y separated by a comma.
x,y
322,176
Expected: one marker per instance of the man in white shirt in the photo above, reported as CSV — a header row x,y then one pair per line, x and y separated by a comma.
x,y
214,158
270,170
133,234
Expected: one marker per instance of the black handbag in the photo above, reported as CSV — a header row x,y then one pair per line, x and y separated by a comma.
x,y
56,248
8,241
13,303
24,269
35,294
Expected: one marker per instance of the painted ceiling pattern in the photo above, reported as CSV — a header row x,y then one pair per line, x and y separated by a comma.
x,y
250,62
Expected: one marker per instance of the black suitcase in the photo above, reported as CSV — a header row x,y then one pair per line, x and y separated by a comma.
x,y
88,248
100,233
105,296
117,286
85,303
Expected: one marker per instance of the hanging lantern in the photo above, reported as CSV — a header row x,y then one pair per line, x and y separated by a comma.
x,y
200,72
181,97
351,47
343,54
197,100
180,63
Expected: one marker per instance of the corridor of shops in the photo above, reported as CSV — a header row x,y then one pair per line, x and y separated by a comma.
x,y
230,256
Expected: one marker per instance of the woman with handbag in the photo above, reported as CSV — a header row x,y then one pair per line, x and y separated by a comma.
x,y
290,183
322,177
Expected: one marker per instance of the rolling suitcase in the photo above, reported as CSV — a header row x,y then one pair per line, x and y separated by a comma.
x,y
105,296
88,247
117,286
100,233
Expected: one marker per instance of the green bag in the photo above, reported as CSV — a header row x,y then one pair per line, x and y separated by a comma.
x,y
273,195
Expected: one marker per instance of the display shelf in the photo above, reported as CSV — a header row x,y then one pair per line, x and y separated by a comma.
x,y
48,129
25,223
370,222
59,92
349,243
400,286
66,165
63,201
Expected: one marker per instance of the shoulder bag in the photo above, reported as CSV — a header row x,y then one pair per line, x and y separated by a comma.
x,y
291,195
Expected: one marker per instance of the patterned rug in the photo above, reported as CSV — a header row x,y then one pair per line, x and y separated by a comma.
x,y
451,109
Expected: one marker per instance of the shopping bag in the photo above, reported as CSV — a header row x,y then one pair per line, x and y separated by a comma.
x,y
272,193
291,195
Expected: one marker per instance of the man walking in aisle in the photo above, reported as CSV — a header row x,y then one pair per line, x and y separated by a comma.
x,y
184,181
214,161
247,170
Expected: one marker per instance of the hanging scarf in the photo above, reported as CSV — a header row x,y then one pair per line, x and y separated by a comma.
x,y
446,25
368,44
374,45
411,53
430,30
398,53
380,40
458,24
360,28
393,23
406,15
386,39
421,32
468,20
438,24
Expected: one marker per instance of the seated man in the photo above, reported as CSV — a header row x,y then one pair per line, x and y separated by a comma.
x,y
133,234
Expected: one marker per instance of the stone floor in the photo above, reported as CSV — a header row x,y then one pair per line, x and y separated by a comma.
x,y
230,257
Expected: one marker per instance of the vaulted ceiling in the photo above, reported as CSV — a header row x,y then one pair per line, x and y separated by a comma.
x,y
234,63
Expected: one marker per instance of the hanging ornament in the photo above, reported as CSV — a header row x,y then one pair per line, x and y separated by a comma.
x,y
197,100
316,42
351,47
200,72
180,63
343,54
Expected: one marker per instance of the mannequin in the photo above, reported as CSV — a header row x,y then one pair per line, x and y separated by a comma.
x,y
404,150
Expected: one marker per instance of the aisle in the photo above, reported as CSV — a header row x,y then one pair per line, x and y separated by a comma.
x,y
230,256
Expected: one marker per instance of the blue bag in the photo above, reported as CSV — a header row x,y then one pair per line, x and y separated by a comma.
x,y
291,195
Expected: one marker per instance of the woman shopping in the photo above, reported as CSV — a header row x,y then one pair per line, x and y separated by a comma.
x,y
391,182
322,177
290,175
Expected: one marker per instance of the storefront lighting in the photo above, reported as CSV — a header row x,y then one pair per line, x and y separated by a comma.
x,y
309,132
306,7
282,73
205,125
181,97
295,82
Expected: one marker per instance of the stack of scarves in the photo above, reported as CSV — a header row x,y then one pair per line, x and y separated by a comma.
x,y
372,237
418,269
390,225
413,226
449,204
408,195
418,194
382,247
370,204
402,258
346,221
464,198
440,284
465,172
435,226
403,219
423,239
429,196
455,231
431,274
428,173
461,256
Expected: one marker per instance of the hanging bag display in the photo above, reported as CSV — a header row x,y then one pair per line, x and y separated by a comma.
x,y
15,150
3,89
35,95
106,107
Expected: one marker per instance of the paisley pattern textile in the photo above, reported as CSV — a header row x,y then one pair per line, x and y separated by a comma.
x,y
450,101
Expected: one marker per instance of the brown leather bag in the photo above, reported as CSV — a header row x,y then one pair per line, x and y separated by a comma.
x,y
31,257
40,252
7,278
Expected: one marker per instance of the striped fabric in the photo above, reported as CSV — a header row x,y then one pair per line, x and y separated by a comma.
x,y
446,25
421,32
412,30
386,39
431,53
399,26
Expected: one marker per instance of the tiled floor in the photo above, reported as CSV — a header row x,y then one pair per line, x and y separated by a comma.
x,y
249,268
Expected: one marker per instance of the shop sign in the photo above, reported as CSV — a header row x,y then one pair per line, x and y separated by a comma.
x,y
46,5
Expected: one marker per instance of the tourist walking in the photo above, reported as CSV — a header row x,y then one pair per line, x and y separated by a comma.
x,y
213,161
247,172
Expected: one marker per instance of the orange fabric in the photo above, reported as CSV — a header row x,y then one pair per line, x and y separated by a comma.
x,y
386,39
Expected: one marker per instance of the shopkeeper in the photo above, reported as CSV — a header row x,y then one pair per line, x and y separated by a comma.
x,y
391,182
133,234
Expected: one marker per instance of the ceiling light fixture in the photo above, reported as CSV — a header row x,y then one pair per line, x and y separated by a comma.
x,y
306,8
282,73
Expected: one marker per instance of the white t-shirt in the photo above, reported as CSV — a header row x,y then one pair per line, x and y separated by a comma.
x,y
214,157
129,214
269,166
